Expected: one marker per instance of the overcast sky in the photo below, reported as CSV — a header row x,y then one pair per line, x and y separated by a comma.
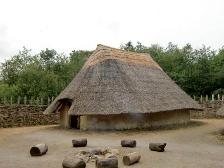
x,y
66,25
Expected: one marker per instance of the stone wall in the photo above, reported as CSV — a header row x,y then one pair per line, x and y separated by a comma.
x,y
25,115
209,109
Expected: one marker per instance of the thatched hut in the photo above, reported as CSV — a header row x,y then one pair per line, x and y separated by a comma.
x,y
118,89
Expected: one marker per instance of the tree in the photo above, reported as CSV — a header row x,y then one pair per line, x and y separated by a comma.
x,y
11,68
128,46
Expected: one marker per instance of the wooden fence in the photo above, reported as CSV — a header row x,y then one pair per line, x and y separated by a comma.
x,y
39,101
207,98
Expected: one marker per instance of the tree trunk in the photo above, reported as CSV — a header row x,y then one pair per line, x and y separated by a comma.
x,y
131,158
73,163
79,142
107,163
38,150
128,143
159,147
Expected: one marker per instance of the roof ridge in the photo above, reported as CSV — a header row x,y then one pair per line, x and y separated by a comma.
x,y
130,57
102,47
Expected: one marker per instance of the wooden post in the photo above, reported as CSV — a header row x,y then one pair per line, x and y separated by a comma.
x,y
213,97
5,101
18,100
37,101
41,101
206,98
222,97
25,100
31,100
48,101
218,97
194,97
201,98
11,101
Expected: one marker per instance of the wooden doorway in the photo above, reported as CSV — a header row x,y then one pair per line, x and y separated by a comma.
x,y
64,117
74,121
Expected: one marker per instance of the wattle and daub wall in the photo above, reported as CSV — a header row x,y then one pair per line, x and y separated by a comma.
x,y
132,121
27,115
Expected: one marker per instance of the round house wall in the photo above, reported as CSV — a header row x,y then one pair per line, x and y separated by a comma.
x,y
132,121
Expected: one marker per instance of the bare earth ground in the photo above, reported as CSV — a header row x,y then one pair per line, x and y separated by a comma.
x,y
189,147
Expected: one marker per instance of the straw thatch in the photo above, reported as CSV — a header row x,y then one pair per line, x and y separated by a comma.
x,y
114,81
220,112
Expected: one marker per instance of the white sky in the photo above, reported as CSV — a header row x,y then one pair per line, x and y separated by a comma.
x,y
66,25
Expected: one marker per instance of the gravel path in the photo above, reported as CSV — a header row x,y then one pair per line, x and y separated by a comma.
x,y
189,147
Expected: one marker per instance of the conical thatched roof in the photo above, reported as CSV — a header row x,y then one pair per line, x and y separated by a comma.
x,y
114,81
220,112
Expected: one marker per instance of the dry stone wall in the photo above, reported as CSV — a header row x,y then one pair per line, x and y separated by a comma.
x,y
25,115
210,109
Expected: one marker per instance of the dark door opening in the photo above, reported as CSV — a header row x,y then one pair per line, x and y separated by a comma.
x,y
74,121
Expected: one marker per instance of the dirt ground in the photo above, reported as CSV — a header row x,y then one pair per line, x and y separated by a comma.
x,y
195,146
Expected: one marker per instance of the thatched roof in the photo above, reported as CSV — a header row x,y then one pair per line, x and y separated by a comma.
x,y
220,112
114,81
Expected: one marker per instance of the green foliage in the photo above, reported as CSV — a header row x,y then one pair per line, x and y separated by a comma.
x,y
8,91
197,71
41,75
11,68
128,46
77,60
